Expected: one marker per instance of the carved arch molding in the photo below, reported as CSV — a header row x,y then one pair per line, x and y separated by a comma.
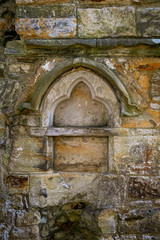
x,y
128,107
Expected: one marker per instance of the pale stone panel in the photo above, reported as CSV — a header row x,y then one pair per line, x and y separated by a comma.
x,y
46,27
138,154
110,21
100,191
80,110
80,154
29,155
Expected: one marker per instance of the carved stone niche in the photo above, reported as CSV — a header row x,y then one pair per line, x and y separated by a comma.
x,y
77,109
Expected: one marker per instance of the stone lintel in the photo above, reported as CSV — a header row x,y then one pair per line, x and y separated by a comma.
x,y
123,47
70,131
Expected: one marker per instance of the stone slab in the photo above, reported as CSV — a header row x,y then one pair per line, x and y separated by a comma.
x,y
148,21
25,2
136,155
46,11
139,222
29,155
101,191
46,27
144,187
104,22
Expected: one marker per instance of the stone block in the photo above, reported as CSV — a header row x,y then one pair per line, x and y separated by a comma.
x,y
46,11
25,2
24,218
107,2
139,222
107,221
145,1
80,154
18,184
25,232
104,22
155,85
137,154
101,191
148,22
29,155
46,27
144,187
141,204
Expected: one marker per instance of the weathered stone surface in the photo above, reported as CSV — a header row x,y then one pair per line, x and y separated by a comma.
x,y
145,1
136,154
46,11
97,23
24,2
46,27
81,109
140,221
107,221
29,155
18,183
91,157
107,2
25,232
100,190
148,22
144,187
24,218
155,85
141,204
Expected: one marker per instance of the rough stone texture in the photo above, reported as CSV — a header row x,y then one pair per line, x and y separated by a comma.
x,y
136,155
148,22
140,221
46,27
116,194
99,23
23,2
46,11
144,187
92,154
55,189
107,221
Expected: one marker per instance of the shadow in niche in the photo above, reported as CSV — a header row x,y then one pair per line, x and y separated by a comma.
x,y
81,110
73,221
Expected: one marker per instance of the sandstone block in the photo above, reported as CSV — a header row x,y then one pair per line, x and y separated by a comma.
x,y
60,188
141,204
25,232
46,11
111,21
24,218
46,27
107,221
25,2
107,2
140,222
137,154
91,157
148,21
29,155
18,184
144,187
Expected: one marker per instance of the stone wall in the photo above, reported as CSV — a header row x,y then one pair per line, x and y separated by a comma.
x,y
80,120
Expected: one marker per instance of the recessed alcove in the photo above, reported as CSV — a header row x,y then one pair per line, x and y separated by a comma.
x,y
79,110
80,153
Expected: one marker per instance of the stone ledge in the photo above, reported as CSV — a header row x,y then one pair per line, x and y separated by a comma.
x,y
109,46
